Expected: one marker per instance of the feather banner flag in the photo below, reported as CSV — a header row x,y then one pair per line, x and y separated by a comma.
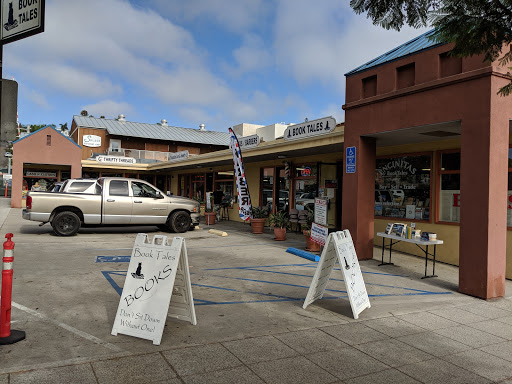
x,y
244,199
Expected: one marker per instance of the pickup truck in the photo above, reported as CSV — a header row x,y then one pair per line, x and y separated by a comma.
x,y
112,201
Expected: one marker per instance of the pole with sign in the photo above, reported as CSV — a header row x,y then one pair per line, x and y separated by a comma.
x,y
20,19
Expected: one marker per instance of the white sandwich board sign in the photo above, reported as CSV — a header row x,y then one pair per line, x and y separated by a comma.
x,y
339,247
157,285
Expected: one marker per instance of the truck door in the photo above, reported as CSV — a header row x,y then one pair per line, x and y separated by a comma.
x,y
147,207
117,203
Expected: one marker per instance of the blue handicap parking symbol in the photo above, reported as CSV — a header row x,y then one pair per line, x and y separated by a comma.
x,y
350,160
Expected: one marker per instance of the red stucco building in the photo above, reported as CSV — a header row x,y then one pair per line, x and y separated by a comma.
x,y
417,101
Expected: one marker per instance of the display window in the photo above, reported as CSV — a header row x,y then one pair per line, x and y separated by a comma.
x,y
197,185
305,186
267,188
403,186
449,187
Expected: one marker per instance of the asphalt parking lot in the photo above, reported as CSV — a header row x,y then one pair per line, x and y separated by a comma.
x,y
67,289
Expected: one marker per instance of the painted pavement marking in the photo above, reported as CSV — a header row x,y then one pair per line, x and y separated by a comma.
x,y
69,328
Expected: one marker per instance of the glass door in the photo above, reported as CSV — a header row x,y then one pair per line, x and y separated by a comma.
x,y
282,197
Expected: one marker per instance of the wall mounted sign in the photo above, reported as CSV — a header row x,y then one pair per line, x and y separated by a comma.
x,y
249,141
181,155
40,174
91,141
350,160
339,247
310,128
20,19
157,285
115,159
331,183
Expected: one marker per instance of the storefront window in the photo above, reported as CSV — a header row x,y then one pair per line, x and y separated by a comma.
x,y
450,196
267,188
449,185
402,187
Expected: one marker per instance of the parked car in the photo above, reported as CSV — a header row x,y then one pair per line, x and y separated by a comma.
x,y
111,201
305,200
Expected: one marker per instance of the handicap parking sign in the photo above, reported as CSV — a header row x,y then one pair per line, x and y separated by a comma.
x,y
350,160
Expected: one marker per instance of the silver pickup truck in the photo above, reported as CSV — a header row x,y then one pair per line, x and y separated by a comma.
x,y
112,201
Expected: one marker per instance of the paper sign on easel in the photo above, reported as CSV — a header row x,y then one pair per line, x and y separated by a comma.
x,y
339,247
157,285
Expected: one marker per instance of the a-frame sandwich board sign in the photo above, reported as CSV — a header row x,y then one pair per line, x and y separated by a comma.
x,y
157,285
339,247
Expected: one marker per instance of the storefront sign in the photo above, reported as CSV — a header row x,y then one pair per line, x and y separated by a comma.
x,y
319,233
21,18
310,128
339,247
115,159
40,174
91,141
350,160
249,141
244,199
156,271
181,155
321,211
331,183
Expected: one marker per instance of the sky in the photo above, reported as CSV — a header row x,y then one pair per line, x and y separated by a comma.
x,y
213,62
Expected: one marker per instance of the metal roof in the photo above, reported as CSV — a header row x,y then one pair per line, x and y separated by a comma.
x,y
415,45
153,131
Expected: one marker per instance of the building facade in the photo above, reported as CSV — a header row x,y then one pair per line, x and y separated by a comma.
x,y
432,135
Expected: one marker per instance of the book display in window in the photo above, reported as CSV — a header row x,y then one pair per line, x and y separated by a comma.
x,y
402,185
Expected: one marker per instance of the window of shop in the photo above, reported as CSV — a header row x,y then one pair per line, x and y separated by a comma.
x,y
306,186
198,184
85,175
449,187
224,181
267,188
402,186
184,185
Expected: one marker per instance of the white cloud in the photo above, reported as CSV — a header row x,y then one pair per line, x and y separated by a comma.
x,y
252,56
321,43
232,15
108,108
335,111
38,99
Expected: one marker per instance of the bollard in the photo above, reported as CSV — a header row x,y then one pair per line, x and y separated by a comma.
x,y
8,336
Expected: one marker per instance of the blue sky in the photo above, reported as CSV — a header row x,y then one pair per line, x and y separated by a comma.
x,y
217,62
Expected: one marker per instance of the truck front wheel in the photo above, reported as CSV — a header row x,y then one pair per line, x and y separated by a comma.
x,y
180,221
66,223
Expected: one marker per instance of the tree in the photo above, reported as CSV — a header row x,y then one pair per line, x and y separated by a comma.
x,y
64,126
84,112
477,27
35,127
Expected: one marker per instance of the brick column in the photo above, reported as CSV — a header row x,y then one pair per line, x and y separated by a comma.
x,y
483,215
359,195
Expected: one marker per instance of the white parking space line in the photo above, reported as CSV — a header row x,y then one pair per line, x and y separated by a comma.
x,y
69,328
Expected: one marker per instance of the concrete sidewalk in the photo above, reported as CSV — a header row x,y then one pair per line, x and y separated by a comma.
x,y
255,330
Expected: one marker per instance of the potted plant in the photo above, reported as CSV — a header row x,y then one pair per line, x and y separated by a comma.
x,y
311,246
209,213
259,215
279,221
